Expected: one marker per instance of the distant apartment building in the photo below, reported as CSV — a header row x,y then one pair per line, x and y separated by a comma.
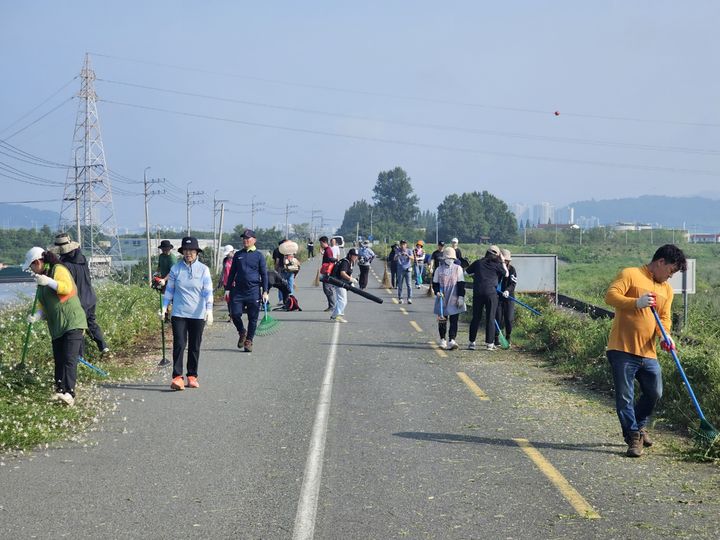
x,y
521,211
630,226
543,213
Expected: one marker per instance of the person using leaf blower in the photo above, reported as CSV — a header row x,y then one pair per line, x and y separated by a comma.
x,y
326,267
631,345
343,271
189,287
448,284
506,307
59,305
487,273
247,285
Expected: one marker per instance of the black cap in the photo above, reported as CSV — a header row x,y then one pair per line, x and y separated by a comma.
x,y
403,241
165,244
248,233
351,252
189,242
441,243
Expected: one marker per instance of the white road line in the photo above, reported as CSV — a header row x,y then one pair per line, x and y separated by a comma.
x,y
307,505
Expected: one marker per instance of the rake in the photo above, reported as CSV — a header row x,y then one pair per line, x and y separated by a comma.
x,y
84,362
21,365
267,325
707,430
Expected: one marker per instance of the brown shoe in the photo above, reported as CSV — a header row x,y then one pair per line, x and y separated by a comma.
x,y
635,445
645,436
241,339
248,345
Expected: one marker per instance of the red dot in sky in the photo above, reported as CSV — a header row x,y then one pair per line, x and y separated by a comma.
x,y
557,113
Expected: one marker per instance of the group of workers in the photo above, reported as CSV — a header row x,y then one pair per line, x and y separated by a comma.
x,y
66,300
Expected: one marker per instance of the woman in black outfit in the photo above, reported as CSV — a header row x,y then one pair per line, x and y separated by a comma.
x,y
487,273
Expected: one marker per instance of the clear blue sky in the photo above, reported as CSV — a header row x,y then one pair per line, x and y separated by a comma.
x,y
466,90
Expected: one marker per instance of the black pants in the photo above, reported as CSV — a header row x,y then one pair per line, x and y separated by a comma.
x,y
186,332
239,306
66,350
505,316
311,252
442,326
364,272
488,303
393,274
329,291
94,330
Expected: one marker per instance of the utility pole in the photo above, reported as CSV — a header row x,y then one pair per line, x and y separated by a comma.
x,y
371,216
220,232
313,214
216,240
254,207
191,200
147,195
288,207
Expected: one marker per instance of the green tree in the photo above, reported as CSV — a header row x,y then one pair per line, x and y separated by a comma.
x,y
472,216
394,199
359,212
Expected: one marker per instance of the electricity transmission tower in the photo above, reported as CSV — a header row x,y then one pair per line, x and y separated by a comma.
x,y
87,204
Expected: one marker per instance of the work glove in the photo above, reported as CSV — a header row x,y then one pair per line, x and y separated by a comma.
x,y
668,345
35,317
506,294
162,313
209,317
646,300
265,297
461,302
46,281
353,281
227,296
162,282
439,294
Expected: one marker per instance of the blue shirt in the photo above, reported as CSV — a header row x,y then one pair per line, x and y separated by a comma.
x,y
248,275
189,288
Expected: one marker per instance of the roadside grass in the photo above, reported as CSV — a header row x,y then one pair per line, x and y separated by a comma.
x,y
128,317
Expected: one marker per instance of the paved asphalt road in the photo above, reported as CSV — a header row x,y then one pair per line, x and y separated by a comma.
x,y
357,430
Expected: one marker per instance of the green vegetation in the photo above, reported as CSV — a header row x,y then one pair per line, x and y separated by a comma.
x,y
128,316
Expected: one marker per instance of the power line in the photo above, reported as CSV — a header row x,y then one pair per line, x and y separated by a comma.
x,y
424,125
413,98
423,145
40,118
40,105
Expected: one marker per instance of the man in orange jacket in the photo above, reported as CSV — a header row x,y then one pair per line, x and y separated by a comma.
x,y
631,346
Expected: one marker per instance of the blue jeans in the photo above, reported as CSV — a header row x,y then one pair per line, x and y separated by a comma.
x,y
404,276
626,368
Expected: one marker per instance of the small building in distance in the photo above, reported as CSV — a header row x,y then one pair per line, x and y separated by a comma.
x,y
705,238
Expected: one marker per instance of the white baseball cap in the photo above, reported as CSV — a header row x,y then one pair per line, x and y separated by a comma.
x,y
454,241
31,256
227,250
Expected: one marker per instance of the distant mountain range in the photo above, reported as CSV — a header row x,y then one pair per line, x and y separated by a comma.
x,y
693,213
17,216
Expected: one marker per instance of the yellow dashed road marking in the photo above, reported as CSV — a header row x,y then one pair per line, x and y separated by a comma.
x,y
416,326
581,506
474,388
389,292
403,311
394,300
438,350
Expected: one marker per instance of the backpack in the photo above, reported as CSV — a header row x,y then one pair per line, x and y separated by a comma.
x,y
291,303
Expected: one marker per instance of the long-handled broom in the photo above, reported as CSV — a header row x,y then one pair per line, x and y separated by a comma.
x,y
707,430
21,365
504,343
164,362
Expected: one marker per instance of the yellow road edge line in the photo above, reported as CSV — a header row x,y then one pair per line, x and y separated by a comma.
x,y
389,292
474,388
416,326
438,350
403,311
394,300
581,506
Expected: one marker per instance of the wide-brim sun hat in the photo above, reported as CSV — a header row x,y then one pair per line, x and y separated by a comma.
x,y
449,253
63,244
227,250
165,244
31,256
494,250
506,254
189,242
288,248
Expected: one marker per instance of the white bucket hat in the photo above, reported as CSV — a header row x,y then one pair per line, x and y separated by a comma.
x,y
227,250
